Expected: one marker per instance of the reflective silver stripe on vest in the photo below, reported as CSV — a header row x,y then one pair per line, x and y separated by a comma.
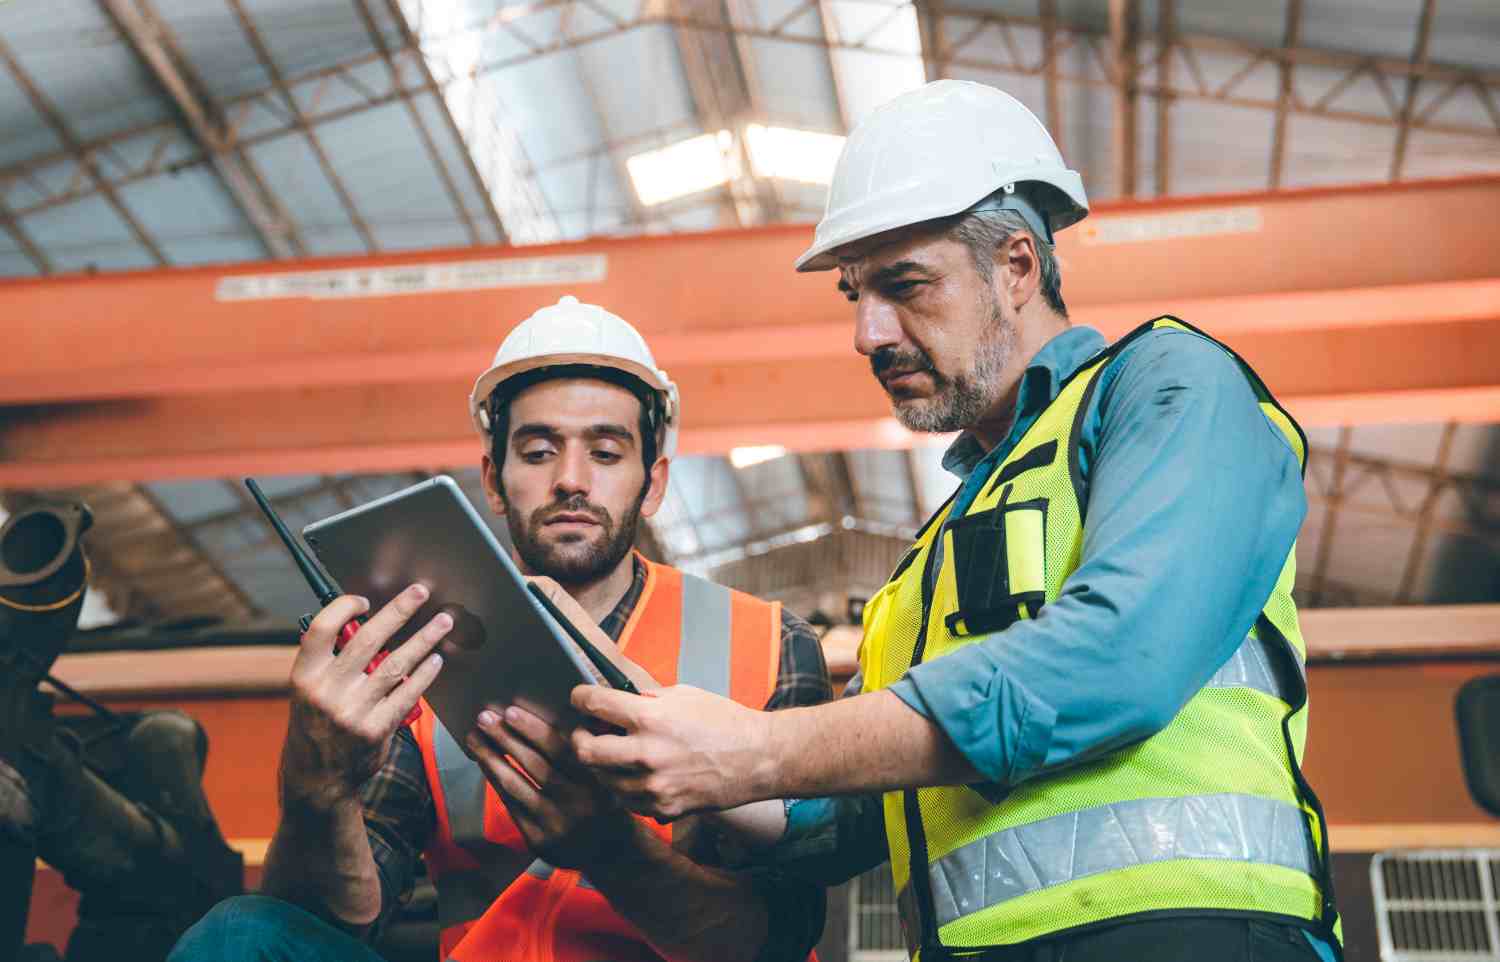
x,y
704,652
1263,666
463,787
543,870
1030,858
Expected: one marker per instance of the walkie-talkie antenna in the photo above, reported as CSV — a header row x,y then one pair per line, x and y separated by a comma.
x,y
315,580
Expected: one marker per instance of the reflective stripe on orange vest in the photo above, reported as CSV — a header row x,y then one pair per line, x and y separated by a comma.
x,y
495,900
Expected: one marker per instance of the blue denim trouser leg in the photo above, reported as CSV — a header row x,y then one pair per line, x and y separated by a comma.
x,y
258,928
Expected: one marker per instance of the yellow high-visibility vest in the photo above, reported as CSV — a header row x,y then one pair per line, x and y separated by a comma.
x,y
1211,815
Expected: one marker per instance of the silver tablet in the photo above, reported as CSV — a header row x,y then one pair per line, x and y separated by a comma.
x,y
504,648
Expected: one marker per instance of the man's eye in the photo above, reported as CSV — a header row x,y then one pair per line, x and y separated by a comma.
x,y
535,456
608,457
899,289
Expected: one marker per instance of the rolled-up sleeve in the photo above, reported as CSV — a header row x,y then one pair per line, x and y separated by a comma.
x,y
1194,499
829,841
399,819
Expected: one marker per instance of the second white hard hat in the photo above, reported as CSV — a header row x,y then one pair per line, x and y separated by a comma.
x,y
938,151
570,332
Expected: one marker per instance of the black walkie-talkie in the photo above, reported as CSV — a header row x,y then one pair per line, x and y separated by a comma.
x,y
321,587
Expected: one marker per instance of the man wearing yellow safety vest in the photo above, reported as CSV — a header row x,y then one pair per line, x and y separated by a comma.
x,y
580,426
1083,699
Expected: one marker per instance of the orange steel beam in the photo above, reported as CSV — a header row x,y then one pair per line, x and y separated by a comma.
x,y
1362,304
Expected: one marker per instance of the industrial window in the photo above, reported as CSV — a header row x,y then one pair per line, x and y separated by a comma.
x,y
1438,905
874,926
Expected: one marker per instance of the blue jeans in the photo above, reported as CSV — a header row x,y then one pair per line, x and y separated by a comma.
x,y
258,928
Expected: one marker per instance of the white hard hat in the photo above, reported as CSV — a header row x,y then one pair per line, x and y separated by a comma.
x,y
938,151
573,333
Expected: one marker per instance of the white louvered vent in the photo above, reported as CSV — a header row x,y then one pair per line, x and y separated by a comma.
x,y
874,926
1437,905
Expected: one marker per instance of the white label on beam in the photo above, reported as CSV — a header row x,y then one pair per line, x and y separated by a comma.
x,y
1154,227
415,278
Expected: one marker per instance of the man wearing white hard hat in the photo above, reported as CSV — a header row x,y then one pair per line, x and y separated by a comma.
x,y
536,861
1082,698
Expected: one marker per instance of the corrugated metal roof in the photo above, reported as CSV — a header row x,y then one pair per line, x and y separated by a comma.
x,y
552,96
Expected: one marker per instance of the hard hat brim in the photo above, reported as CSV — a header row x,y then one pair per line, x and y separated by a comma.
x,y
495,376
821,257
882,214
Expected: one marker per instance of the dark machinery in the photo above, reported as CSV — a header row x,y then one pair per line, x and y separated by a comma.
x,y
1477,708
112,801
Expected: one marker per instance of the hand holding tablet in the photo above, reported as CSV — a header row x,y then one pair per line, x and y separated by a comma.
x,y
506,647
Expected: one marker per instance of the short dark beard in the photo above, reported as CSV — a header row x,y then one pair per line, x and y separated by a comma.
x,y
957,402
573,570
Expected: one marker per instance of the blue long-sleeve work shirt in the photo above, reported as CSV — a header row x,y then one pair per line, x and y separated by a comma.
x,y
1193,500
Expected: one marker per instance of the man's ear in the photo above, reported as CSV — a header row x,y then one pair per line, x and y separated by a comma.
x,y
1018,270
490,472
657,492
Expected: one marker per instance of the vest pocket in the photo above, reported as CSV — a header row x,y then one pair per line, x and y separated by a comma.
x,y
999,566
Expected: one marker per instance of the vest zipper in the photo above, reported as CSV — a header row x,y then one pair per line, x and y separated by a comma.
x,y
930,946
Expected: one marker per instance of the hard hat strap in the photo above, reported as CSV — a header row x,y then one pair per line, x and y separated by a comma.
x,y
1009,198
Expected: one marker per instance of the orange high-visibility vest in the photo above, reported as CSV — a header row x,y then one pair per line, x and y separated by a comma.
x,y
496,903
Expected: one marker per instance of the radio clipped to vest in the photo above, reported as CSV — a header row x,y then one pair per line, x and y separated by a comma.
x,y
999,565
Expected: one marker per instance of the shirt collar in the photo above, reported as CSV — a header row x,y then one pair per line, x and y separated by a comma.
x,y
1057,361
614,622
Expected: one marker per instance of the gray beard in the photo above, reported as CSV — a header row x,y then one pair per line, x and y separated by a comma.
x,y
959,402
